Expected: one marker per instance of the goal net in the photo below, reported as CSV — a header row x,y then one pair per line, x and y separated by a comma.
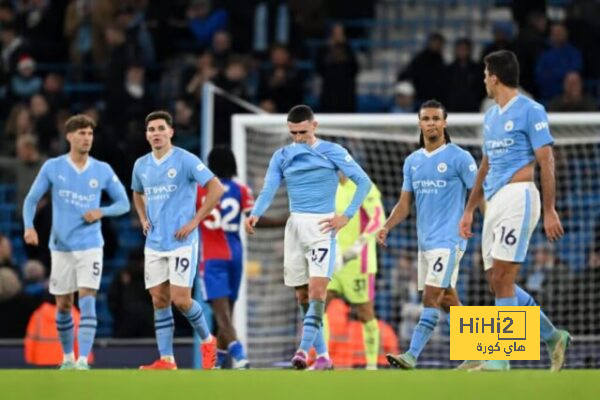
x,y
564,277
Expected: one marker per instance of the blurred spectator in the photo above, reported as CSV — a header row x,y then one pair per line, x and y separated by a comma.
x,y
186,126
465,80
404,98
24,167
522,9
221,49
19,122
584,30
555,62
130,303
203,22
530,43
503,33
337,65
572,99
138,41
234,81
10,285
34,279
280,85
6,254
271,25
204,71
44,122
427,71
24,83
53,91
41,21
13,47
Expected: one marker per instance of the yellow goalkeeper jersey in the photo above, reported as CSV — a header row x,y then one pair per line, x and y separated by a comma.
x,y
359,233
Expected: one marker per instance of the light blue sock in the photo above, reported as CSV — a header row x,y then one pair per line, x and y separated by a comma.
x,y
164,325
196,317
87,327
221,357
64,325
547,330
319,344
313,322
423,330
506,301
237,350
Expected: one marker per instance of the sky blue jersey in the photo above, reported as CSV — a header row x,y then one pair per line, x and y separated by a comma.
x,y
310,173
510,137
75,192
170,187
439,182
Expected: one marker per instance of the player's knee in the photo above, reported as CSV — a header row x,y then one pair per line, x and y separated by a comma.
x,y
64,306
160,300
183,303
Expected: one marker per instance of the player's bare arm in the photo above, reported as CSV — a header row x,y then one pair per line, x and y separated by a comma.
x,y
214,192
475,199
399,213
31,237
552,225
92,216
139,202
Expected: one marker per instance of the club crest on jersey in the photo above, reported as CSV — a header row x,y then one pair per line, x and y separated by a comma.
x,y
172,173
442,167
93,183
509,126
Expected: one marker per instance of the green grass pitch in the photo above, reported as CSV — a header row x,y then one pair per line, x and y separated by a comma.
x,y
291,385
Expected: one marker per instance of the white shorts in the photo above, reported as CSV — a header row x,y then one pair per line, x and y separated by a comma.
x,y
176,266
71,270
307,252
439,267
510,218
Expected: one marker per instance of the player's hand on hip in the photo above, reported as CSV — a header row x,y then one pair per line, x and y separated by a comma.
x,y
185,230
381,236
334,223
552,226
464,226
250,223
31,237
92,216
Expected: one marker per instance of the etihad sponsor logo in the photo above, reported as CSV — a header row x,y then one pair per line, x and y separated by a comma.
x,y
162,189
69,194
429,183
499,144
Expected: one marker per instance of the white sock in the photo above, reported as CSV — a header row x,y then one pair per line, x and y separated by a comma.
x,y
69,357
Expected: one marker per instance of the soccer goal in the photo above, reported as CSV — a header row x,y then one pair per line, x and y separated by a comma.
x,y
558,275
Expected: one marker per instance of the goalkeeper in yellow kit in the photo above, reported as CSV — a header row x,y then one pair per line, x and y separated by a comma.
x,y
354,278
